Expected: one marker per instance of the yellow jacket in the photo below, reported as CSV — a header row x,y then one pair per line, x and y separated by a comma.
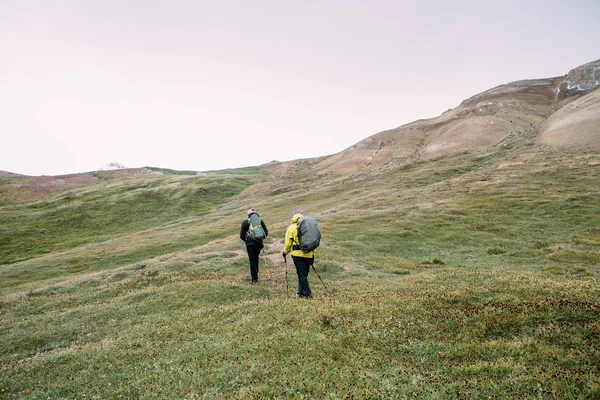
x,y
291,238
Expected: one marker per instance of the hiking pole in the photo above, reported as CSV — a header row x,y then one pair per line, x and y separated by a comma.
x,y
313,265
287,286
266,269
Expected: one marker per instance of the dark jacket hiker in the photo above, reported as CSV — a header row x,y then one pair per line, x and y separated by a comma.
x,y
253,232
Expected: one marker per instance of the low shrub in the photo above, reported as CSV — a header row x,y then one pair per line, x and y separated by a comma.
x,y
496,250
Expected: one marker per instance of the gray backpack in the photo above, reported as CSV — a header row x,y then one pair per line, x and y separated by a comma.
x,y
308,234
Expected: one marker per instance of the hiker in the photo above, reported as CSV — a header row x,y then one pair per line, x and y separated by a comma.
x,y
252,232
302,261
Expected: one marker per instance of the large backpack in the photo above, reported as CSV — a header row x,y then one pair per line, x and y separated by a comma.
x,y
308,234
255,230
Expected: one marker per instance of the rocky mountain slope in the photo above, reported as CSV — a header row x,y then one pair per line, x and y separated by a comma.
x,y
563,112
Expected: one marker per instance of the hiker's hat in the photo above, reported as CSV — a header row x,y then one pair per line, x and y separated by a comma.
x,y
298,211
251,211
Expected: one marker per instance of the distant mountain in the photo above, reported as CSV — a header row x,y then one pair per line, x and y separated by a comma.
x,y
112,166
6,174
562,113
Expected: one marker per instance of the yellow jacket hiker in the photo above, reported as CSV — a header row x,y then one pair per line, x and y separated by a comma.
x,y
291,239
302,260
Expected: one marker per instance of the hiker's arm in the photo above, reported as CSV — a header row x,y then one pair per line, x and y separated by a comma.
x,y
244,230
287,247
264,226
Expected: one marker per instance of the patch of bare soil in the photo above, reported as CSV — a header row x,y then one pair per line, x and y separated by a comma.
x,y
46,184
574,127
276,248
561,246
473,133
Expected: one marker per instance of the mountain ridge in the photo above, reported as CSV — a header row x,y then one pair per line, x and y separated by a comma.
x,y
484,120
562,112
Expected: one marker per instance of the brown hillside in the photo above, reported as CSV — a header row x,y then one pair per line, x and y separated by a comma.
x,y
575,126
565,111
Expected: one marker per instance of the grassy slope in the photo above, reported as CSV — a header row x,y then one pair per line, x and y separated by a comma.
x,y
469,276
106,210
110,223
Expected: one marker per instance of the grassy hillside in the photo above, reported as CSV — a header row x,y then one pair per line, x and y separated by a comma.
x,y
86,228
469,276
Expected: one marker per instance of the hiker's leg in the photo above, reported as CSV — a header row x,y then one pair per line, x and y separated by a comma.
x,y
298,265
307,291
302,267
309,263
253,254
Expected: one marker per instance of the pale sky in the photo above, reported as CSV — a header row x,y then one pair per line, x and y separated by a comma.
x,y
203,85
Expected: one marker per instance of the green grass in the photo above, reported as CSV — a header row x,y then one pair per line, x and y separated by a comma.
x,y
108,211
238,171
172,171
448,279
434,334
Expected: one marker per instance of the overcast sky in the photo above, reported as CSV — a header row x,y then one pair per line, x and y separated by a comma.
x,y
202,85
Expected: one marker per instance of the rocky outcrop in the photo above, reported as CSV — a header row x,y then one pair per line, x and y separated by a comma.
x,y
582,80
112,166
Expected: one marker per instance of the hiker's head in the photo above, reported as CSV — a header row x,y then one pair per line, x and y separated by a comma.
x,y
296,216
251,211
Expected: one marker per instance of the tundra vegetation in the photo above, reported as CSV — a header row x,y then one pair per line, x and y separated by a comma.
x,y
473,275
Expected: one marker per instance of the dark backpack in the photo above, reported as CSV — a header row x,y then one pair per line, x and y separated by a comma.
x,y
255,230
308,234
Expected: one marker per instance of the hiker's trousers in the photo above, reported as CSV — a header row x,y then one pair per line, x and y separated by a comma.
x,y
253,255
302,269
